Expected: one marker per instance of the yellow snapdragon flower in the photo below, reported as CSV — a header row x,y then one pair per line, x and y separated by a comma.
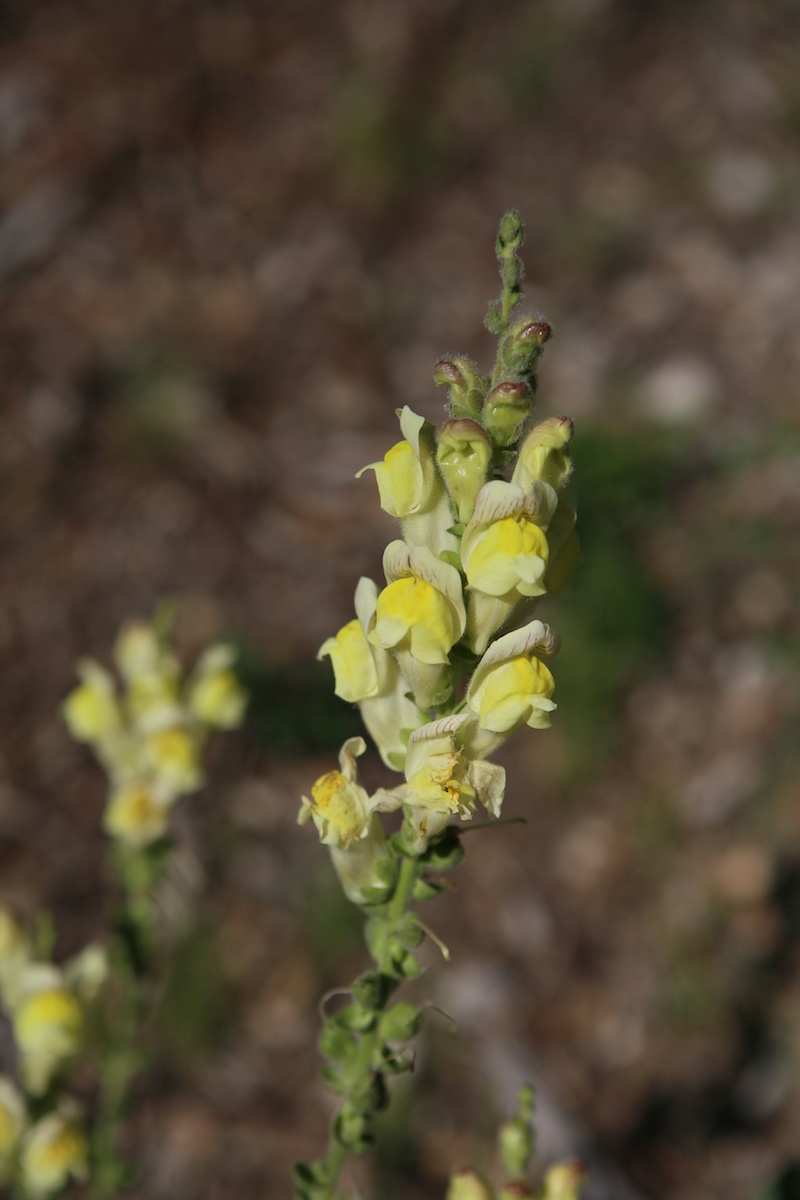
x,y
48,1024
406,477
345,817
215,696
370,676
421,610
137,812
339,806
54,1151
91,710
504,548
411,488
511,685
353,662
505,553
442,775
173,756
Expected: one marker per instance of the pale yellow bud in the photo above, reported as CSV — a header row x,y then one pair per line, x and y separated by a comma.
x,y
468,1185
544,454
564,1181
463,454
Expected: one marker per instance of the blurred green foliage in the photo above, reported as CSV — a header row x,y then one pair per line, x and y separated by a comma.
x,y
293,709
615,623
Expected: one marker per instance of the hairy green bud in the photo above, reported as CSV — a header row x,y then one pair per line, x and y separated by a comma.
x,y
463,453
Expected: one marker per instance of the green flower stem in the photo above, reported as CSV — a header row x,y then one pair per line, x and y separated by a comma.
x,y
121,1057
365,1054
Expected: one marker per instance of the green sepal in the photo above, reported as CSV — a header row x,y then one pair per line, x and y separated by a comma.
x,y
400,1023
354,1017
349,1129
371,990
336,1043
493,320
457,530
310,1181
407,932
396,759
335,1080
445,853
406,966
425,890
398,1064
370,1096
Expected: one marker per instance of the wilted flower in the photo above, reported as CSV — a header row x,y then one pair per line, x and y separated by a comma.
x,y
442,776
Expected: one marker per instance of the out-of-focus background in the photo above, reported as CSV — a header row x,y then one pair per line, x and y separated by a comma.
x,y
234,239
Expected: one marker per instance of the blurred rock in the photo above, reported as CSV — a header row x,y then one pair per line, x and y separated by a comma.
x,y
683,390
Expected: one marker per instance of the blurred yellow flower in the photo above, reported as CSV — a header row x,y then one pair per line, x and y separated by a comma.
x,y
215,695
137,813
48,1024
54,1151
91,710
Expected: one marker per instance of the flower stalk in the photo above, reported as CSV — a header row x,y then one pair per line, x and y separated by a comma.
x,y
445,662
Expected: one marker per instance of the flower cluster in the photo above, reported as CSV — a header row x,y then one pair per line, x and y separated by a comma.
x,y
149,736
447,660
48,1008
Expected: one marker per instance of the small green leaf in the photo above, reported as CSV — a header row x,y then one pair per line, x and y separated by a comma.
x,y
493,321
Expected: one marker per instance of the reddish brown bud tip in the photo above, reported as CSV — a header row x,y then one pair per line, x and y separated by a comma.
x,y
447,372
514,392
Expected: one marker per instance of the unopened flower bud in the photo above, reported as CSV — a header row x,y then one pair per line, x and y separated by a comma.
x,y
468,1185
504,410
516,1140
522,346
463,454
467,385
564,1181
544,454
511,233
